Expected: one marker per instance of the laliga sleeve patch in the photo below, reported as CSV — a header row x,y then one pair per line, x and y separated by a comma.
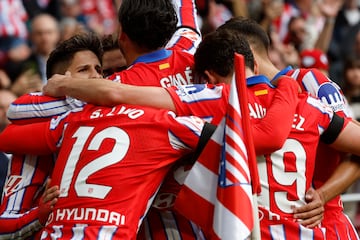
x,y
329,93
333,131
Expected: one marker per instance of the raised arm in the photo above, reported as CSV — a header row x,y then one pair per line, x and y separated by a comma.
x,y
188,35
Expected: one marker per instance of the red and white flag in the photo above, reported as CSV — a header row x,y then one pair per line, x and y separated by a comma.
x,y
217,193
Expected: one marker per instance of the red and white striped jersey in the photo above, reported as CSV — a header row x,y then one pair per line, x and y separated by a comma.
x,y
110,165
310,120
208,102
38,107
287,173
168,224
23,188
13,19
100,13
165,67
172,65
318,85
274,226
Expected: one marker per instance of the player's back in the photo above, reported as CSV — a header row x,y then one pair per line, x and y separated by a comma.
x,y
320,86
327,159
110,165
163,68
173,64
287,173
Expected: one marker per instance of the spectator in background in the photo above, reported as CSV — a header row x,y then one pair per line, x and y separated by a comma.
x,y
5,81
350,47
44,36
71,9
314,58
351,85
100,16
351,89
348,17
6,97
345,29
296,32
70,27
13,34
214,13
96,16
270,10
34,8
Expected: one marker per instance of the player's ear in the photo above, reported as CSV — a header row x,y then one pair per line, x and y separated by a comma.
x,y
211,77
256,68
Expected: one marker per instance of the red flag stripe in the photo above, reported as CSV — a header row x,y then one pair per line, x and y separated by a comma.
x,y
240,174
225,196
233,154
216,206
239,64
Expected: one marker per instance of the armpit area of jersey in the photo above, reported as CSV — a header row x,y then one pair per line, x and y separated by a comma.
x,y
334,129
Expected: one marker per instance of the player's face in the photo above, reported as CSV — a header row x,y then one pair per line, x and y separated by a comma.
x,y
85,64
113,61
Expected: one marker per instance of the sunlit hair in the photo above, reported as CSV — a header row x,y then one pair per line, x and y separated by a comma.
x,y
61,57
252,31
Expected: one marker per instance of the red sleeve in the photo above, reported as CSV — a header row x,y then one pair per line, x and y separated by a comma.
x,y
26,139
187,15
19,226
278,119
188,35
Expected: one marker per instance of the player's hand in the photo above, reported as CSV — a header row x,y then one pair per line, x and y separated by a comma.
x,y
47,202
311,214
54,85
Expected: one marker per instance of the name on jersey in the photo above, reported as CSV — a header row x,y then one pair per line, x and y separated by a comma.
x,y
177,79
256,111
87,214
132,113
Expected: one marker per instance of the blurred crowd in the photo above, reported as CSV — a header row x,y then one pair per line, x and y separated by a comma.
x,y
324,34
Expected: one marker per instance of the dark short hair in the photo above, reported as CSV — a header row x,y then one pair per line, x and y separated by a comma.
x,y
216,52
61,57
109,42
251,30
148,23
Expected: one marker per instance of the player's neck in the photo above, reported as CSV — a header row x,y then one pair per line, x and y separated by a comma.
x,y
268,69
